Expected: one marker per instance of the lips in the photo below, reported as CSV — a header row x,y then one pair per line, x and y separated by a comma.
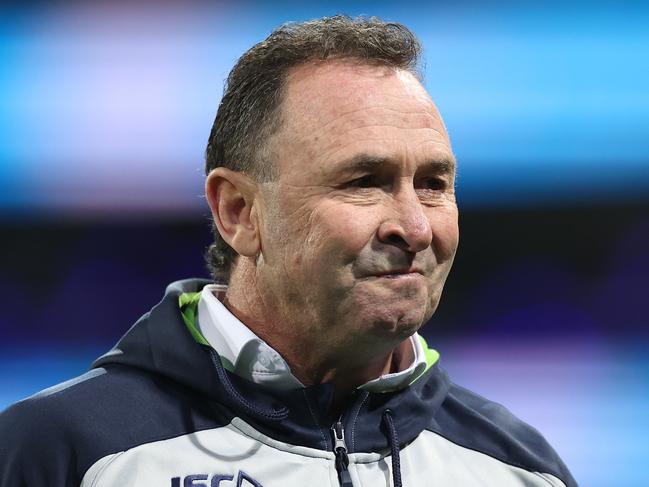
x,y
394,273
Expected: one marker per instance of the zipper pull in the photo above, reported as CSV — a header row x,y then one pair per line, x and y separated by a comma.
x,y
340,450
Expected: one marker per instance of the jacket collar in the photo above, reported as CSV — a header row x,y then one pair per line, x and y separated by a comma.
x,y
159,343
251,358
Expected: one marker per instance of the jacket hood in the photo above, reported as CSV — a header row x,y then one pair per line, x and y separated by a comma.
x,y
161,344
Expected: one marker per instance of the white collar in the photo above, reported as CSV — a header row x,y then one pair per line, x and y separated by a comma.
x,y
251,358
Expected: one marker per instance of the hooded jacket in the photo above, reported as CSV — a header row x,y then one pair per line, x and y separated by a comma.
x,y
160,409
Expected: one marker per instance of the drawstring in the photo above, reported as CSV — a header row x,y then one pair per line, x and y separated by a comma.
x,y
250,408
282,413
393,439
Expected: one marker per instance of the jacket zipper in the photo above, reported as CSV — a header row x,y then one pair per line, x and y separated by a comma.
x,y
340,450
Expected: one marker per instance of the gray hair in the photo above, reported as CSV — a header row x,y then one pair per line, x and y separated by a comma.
x,y
249,112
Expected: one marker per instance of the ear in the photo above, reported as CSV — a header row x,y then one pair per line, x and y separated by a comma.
x,y
231,196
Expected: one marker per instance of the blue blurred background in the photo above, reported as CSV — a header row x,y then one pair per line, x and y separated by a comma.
x,y
105,112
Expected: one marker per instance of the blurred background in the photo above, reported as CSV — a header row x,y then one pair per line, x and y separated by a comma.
x,y
105,112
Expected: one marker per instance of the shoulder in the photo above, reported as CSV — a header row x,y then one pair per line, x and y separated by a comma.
x,y
45,413
35,432
474,422
59,433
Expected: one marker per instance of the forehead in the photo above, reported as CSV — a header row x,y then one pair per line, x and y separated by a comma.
x,y
348,82
332,109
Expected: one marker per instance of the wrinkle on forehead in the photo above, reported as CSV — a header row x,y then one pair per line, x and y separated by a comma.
x,y
333,103
349,87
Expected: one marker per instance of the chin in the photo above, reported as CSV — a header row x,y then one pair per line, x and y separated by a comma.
x,y
397,325
388,315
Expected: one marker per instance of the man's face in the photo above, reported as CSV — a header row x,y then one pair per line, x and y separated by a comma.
x,y
360,228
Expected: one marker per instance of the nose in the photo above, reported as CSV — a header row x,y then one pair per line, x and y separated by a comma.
x,y
407,226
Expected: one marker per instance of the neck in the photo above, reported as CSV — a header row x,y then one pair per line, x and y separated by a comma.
x,y
314,356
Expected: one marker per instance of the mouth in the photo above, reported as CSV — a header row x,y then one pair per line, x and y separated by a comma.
x,y
399,274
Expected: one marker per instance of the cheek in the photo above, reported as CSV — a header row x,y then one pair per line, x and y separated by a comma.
x,y
347,227
445,234
329,240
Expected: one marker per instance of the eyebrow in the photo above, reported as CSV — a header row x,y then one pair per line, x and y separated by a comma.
x,y
368,163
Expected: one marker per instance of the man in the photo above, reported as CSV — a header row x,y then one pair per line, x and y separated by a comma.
x,y
330,177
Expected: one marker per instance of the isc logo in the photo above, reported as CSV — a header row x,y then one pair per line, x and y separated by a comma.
x,y
201,480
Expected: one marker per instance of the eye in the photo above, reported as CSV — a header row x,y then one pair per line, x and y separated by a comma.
x,y
368,181
434,184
